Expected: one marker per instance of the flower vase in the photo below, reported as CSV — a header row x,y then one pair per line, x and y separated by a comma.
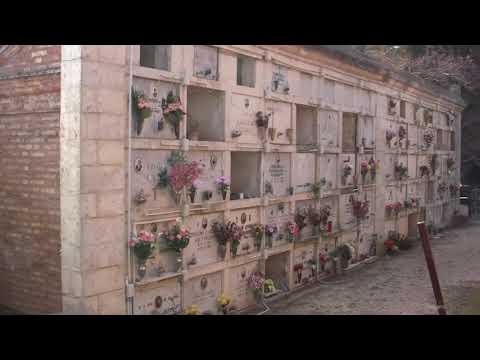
x,y
141,269
192,196
224,194
222,251
179,261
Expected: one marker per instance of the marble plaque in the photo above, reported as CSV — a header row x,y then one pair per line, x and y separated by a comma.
x,y
328,129
347,220
303,171
154,126
364,102
244,110
367,131
203,247
328,91
277,172
212,167
346,95
412,166
327,168
305,86
412,136
246,218
162,298
281,120
242,295
203,291
278,215
162,260
302,270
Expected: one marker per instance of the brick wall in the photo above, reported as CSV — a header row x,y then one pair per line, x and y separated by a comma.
x,y
30,276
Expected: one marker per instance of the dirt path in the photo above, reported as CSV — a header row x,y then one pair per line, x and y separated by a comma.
x,y
401,284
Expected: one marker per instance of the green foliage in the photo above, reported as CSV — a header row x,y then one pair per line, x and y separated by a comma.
x,y
163,178
176,157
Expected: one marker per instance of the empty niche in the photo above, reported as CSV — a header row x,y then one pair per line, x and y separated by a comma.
x,y
245,170
245,71
205,114
349,132
155,56
306,126
276,269
206,62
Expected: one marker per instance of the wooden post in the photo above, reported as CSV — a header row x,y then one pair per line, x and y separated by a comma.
x,y
431,267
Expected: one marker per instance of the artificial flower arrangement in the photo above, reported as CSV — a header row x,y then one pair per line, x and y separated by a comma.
x,y
293,231
223,301
450,165
317,187
182,174
270,230
410,203
424,171
173,112
300,218
192,310
223,185
392,107
314,219
269,286
428,138
454,188
402,132
258,231
255,283
143,245
401,171
347,171
225,233
394,208
364,169
360,208
442,187
389,135
141,107
374,166
177,237
395,242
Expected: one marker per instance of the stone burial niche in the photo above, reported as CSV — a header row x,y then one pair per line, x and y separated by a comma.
x,y
277,268
245,175
306,127
205,114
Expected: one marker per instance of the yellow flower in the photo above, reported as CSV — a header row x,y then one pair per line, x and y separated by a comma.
x,y
192,310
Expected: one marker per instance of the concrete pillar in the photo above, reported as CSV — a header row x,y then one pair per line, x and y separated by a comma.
x,y
93,123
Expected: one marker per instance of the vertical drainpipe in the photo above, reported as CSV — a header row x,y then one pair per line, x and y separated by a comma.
x,y
129,196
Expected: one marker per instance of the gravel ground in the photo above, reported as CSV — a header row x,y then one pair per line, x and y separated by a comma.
x,y
400,285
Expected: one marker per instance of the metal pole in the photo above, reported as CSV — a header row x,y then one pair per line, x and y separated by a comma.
x,y
431,267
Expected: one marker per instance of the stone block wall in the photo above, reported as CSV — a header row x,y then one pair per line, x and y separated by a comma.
x,y
30,277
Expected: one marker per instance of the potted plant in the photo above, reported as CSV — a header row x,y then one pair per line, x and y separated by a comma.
x,y
142,109
173,112
317,187
344,255
424,171
177,238
143,246
223,184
